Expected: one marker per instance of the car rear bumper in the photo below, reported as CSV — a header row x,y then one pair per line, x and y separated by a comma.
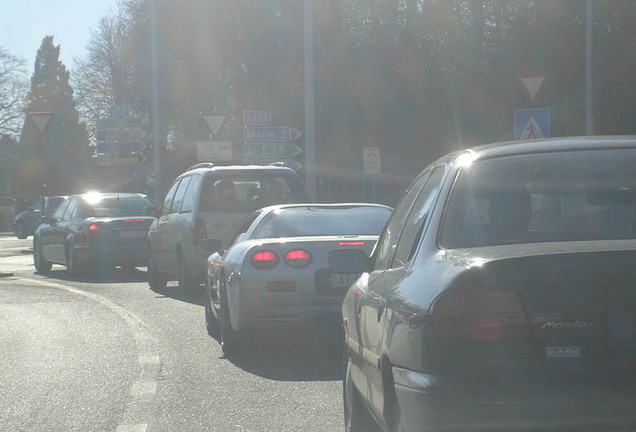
x,y
112,255
430,403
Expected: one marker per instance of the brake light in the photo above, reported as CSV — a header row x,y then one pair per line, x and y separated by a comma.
x,y
94,232
351,243
481,315
298,258
198,231
264,260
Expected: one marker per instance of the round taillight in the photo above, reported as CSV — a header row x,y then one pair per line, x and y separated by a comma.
x,y
264,260
298,258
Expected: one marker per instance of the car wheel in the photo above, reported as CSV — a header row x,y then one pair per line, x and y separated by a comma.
x,y
230,338
20,232
41,265
356,416
185,280
211,323
72,268
156,279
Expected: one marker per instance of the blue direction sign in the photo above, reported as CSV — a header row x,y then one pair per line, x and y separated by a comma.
x,y
119,135
119,123
270,133
532,123
265,150
257,118
120,147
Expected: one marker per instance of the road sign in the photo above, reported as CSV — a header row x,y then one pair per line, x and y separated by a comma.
x,y
214,151
532,84
267,150
532,123
257,118
270,133
120,135
113,159
120,147
40,120
291,163
371,157
214,122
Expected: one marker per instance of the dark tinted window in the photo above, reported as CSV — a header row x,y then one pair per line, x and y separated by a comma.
x,y
167,202
117,207
587,195
180,194
246,193
315,221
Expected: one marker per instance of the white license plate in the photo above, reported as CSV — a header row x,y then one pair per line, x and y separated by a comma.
x,y
339,280
132,234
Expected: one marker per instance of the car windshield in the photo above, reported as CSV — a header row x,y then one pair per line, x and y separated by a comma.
x,y
547,197
315,221
117,207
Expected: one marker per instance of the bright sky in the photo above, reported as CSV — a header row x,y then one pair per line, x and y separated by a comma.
x,y
23,24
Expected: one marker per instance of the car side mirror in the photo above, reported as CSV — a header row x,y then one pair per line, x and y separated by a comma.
x,y
151,211
212,245
349,261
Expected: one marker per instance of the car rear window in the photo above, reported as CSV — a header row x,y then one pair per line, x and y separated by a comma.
x,y
315,221
567,196
246,193
117,207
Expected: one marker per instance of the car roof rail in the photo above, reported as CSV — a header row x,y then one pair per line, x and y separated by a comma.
x,y
201,165
277,164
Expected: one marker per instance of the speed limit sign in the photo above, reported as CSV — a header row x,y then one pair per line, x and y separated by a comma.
x,y
371,157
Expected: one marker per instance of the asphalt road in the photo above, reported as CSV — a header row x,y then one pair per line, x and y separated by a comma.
x,y
106,353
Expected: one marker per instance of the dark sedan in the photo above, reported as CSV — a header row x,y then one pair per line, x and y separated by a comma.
x,y
97,230
28,220
501,294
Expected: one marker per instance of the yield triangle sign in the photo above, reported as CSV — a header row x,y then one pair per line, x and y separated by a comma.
x,y
40,120
533,85
214,122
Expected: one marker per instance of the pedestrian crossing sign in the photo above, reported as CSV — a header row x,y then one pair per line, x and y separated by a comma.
x,y
532,123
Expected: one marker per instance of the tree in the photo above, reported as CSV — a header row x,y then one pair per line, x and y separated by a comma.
x,y
13,89
59,157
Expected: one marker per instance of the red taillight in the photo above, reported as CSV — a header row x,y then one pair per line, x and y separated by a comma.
x,y
481,315
198,231
298,258
264,260
351,243
94,232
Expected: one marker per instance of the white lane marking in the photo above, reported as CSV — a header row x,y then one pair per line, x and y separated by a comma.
x,y
132,428
148,361
143,388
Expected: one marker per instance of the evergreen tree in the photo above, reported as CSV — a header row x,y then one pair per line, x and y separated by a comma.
x,y
59,157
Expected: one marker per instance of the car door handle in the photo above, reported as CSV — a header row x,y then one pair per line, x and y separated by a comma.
x,y
381,308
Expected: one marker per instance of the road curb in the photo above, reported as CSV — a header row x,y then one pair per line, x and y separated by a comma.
x,y
5,274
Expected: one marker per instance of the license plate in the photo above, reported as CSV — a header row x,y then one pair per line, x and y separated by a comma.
x,y
132,234
339,280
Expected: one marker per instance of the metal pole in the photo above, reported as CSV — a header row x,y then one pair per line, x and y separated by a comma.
x,y
310,128
156,130
589,89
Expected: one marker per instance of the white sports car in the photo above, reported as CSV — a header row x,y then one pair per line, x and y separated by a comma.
x,y
277,269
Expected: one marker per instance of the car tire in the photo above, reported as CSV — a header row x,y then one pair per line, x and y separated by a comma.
x,y
41,265
211,324
231,341
20,231
156,279
185,280
72,269
356,416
